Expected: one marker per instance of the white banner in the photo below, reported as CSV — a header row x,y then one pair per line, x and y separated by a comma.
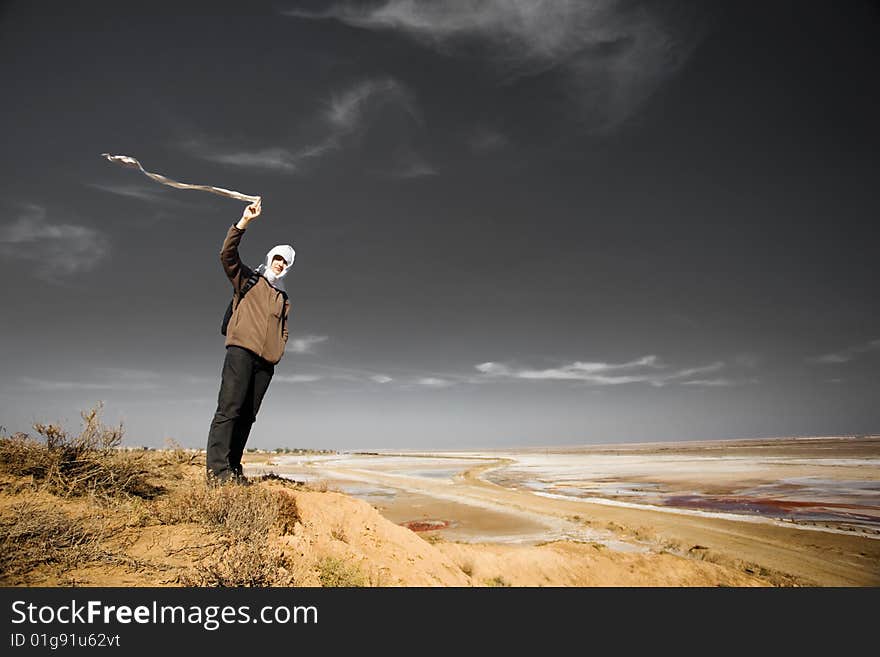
x,y
132,163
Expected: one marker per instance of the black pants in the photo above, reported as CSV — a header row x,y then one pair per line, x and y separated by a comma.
x,y
246,377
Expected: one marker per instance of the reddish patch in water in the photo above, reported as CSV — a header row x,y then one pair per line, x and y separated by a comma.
x,y
774,507
425,525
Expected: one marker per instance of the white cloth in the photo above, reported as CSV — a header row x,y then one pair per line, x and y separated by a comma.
x,y
132,163
285,251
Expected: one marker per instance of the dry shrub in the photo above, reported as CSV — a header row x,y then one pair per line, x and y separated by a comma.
x,y
272,476
85,464
288,514
317,486
246,563
137,512
22,456
338,532
496,581
246,516
31,536
333,572
177,454
243,512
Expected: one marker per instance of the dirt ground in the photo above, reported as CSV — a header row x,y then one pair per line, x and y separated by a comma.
x,y
331,540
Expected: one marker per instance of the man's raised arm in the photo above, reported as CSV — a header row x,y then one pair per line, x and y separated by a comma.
x,y
235,269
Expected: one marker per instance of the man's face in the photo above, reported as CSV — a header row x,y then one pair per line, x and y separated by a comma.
x,y
279,264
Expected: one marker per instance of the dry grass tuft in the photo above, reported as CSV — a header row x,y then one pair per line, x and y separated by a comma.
x,y
177,454
318,486
246,517
338,533
85,464
32,536
246,563
243,512
333,572
497,581
287,514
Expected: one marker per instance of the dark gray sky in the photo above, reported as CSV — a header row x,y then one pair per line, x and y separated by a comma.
x,y
516,222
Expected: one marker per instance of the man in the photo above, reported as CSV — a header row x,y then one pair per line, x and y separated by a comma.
x,y
255,339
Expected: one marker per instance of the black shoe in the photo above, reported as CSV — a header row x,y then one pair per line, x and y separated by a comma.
x,y
238,475
214,480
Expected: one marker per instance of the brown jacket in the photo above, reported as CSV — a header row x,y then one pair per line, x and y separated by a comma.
x,y
259,322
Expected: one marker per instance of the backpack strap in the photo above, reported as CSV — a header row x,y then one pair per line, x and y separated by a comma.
x,y
255,276
249,283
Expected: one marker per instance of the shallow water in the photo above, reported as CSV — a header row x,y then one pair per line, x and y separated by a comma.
x,y
790,485
752,484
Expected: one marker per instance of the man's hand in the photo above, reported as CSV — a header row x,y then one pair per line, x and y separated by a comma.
x,y
250,213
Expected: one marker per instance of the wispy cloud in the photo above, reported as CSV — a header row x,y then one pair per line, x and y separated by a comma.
x,y
296,378
405,379
267,158
275,158
409,164
647,369
349,110
848,354
126,374
434,382
692,371
485,140
56,249
339,121
101,378
48,385
720,382
140,192
336,372
306,344
613,53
